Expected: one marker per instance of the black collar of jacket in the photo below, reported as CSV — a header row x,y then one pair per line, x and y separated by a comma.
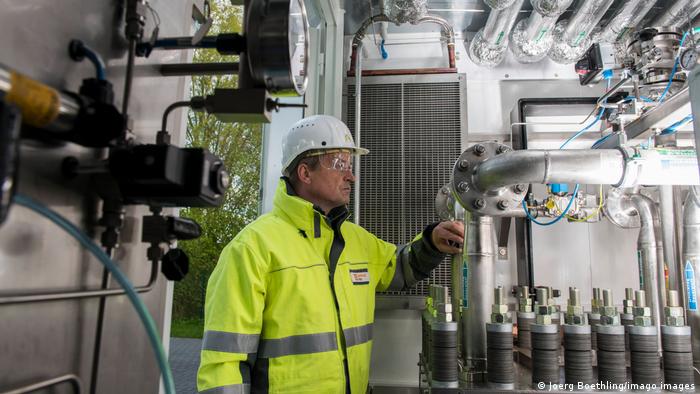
x,y
334,218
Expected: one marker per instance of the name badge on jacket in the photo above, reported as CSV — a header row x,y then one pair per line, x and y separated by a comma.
x,y
359,276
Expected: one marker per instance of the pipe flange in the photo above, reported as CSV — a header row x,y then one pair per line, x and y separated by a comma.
x,y
619,209
505,201
445,203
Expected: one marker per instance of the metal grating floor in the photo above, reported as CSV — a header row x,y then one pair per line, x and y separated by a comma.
x,y
413,131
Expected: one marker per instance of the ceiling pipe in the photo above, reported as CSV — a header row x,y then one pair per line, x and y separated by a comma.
x,y
447,32
489,45
531,38
572,38
627,18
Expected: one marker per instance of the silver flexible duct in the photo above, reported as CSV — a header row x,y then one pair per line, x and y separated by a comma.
x,y
572,38
488,47
531,38
678,14
650,255
691,258
627,18
480,249
405,11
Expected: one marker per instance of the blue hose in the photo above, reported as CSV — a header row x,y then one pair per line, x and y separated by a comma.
x,y
385,54
558,218
583,130
88,244
96,60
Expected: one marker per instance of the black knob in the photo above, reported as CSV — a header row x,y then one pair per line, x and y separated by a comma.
x,y
175,264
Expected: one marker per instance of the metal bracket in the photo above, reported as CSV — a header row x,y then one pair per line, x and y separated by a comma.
x,y
503,233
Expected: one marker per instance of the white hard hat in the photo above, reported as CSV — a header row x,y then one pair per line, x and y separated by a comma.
x,y
318,132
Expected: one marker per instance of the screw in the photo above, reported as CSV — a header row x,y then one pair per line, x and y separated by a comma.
x,y
479,203
672,298
463,165
502,149
479,149
503,205
462,187
607,297
444,190
574,296
640,300
520,188
502,251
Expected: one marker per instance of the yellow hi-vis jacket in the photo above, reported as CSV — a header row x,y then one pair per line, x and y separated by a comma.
x,y
290,304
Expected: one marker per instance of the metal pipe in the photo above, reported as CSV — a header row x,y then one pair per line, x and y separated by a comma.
x,y
587,166
650,255
555,166
691,258
73,379
457,272
73,295
480,247
358,124
627,18
488,47
678,13
668,232
447,30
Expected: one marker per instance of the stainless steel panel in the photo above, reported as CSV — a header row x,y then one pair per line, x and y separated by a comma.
x,y
413,127
45,340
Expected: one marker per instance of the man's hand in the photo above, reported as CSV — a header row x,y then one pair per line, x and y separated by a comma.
x,y
448,237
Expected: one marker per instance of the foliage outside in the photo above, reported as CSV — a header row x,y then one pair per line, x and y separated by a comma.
x,y
239,145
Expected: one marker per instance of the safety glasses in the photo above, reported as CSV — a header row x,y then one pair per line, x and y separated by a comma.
x,y
338,161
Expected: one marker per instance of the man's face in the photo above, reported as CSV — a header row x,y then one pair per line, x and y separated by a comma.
x,y
331,181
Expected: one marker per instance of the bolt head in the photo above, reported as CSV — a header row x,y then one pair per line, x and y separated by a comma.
x,y
502,149
463,165
673,311
543,319
641,311
479,149
676,321
479,203
520,188
503,205
462,187
574,310
445,190
644,321
542,310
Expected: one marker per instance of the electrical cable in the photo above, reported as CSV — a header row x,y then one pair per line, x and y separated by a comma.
x,y
674,127
96,60
139,306
171,107
583,130
558,218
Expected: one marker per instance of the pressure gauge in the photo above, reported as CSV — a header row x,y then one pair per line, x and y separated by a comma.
x,y
277,39
688,58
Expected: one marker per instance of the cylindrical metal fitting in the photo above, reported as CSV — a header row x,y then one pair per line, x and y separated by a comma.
x,y
629,293
577,355
498,295
499,353
607,297
525,322
542,296
443,353
596,293
574,296
678,356
523,292
672,299
640,300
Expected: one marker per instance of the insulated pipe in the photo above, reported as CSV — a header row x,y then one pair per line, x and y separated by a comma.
x,y
678,13
691,259
531,38
488,47
572,39
480,249
668,233
447,30
626,19
650,255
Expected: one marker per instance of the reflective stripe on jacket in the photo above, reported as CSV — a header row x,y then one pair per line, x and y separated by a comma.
x,y
274,322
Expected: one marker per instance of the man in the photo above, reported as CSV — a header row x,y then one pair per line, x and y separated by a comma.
x,y
290,304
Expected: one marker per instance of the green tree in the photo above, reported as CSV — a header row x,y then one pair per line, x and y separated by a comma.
x,y
239,145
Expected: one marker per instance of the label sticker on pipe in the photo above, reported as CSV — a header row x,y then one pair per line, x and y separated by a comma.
x,y
690,285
